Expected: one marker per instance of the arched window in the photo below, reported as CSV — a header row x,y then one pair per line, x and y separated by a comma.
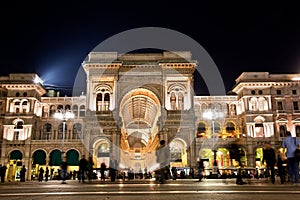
x,y
77,132
232,109
25,107
52,110
60,107
201,130
19,125
103,98
60,131
67,107
230,127
106,101
16,106
47,132
82,111
262,104
177,92
253,104
75,110
282,131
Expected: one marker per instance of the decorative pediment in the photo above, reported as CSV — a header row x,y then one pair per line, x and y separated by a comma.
x,y
282,120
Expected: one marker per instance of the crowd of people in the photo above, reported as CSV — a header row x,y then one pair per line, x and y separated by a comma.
x,y
286,162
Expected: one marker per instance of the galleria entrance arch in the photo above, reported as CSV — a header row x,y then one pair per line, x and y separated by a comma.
x,y
135,100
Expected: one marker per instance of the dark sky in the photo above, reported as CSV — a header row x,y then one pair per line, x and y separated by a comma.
x,y
52,38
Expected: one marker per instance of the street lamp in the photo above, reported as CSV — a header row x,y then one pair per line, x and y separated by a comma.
x,y
213,114
63,115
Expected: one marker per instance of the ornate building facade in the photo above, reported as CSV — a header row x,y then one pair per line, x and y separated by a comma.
x,y
134,100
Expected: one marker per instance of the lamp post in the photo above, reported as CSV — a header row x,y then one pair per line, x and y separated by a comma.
x,y
213,114
63,115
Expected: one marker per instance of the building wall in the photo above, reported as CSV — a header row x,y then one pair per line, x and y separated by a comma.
x,y
261,108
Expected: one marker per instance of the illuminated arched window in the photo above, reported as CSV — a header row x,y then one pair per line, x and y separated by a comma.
x,y
201,130
103,98
253,104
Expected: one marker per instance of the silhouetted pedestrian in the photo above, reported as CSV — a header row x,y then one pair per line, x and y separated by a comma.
x,y
269,157
2,172
82,168
46,174
102,171
200,169
22,174
41,174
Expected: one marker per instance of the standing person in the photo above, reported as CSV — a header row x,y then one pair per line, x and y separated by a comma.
x,y
64,168
46,174
113,170
51,173
200,169
2,172
174,173
102,171
192,173
281,160
41,174
90,168
269,157
22,174
163,159
291,144
82,168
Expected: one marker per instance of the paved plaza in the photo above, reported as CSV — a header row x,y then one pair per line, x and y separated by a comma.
x,y
149,190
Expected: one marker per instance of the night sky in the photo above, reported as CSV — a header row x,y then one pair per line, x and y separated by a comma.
x,y
53,38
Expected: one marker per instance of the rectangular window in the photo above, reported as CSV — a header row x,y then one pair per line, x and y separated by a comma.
x,y
278,92
295,105
279,105
294,92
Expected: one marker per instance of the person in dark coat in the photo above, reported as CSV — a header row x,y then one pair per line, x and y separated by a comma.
x,y
102,171
2,172
46,174
64,168
269,157
41,174
200,169
22,174
82,168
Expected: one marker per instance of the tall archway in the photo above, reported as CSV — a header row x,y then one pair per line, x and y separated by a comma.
x,y
55,158
102,152
38,160
15,165
178,153
72,159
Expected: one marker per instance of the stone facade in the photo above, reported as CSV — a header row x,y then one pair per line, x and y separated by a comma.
x,y
134,100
